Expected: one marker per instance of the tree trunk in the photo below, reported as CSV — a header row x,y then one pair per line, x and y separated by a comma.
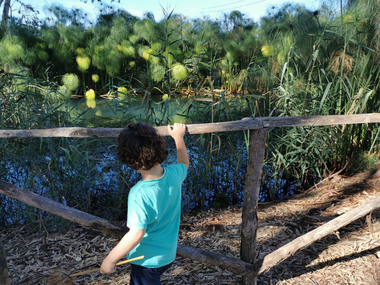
x,y
257,141
4,279
5,17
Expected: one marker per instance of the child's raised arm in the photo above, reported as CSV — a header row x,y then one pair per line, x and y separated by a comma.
x,y
177,132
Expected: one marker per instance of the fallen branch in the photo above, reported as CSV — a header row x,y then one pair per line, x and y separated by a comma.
x,y
231,264
330,227
328,178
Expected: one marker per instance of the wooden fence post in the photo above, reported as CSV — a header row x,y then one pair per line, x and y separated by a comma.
x,y
257,141
4,279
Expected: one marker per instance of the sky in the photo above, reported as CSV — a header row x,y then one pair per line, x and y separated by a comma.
x,y
254,9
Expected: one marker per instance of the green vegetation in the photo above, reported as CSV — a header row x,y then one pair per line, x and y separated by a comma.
x,y
294,62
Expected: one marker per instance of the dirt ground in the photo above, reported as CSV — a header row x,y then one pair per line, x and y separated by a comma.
x,y
350,256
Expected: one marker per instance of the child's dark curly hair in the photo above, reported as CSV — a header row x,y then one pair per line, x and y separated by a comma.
x,y
140,147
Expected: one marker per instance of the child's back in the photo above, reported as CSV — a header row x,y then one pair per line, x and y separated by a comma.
x,y
154,203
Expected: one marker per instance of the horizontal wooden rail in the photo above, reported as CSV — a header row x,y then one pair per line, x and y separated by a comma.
x,y
245,124
309,238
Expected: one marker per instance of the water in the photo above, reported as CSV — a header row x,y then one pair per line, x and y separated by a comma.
x,y
155,110
112,111
85,174
101,187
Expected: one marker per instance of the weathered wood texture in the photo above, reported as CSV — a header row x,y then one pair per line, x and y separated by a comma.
x,y
4,278
330,227
232,264
60,210
257,142
245,124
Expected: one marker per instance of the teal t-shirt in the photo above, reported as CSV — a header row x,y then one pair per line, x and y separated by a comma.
x,y
155,205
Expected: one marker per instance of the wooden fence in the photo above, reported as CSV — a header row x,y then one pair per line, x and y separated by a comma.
x,y
247,266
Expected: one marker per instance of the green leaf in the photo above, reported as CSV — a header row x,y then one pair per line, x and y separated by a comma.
x,y
325,95
361,45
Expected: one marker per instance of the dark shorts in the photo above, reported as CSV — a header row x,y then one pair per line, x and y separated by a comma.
x,y
141,275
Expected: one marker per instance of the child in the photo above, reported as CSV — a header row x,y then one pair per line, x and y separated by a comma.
x,y
154,203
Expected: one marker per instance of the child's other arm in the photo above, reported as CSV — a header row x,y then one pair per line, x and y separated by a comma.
x,y
126,244
177,132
